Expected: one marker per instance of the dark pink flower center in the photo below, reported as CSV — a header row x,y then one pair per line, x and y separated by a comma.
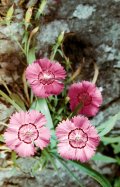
x,y
84,98
77,138
46,77
28,133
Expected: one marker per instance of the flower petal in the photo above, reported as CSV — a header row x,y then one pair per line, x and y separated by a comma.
x,y
25,150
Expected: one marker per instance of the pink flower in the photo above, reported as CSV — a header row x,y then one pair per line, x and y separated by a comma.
x,y
26,129
78,139
88,95
45,77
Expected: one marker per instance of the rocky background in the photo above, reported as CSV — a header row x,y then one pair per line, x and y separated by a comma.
x,y
92,32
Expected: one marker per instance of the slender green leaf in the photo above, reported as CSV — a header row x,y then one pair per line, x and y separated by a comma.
x,y
9,14
89,171
14,158
106,126
31,56
118,160
116,148
70,172
25,38
117,182
41,105
50,158
103,158
39,165
18,100
60,52
92,173
31,52
8,99
25,85
109,140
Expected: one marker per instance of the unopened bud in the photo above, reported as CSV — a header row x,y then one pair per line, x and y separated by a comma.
x,y
60,37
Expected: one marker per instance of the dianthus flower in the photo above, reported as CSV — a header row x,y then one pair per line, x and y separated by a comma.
x,y
45,77
88,95
77,138
25,131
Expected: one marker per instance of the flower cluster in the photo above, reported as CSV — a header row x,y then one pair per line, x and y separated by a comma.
x,y
77,138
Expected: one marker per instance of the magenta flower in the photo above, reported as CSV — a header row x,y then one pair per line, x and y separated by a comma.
x,y
26,129
88,95
45,77
77,138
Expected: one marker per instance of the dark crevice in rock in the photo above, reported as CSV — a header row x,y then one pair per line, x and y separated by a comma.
x,y
77,46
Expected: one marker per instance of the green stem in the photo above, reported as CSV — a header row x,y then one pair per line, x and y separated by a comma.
x,y
109,140
55,48
63,163
77,109
49,156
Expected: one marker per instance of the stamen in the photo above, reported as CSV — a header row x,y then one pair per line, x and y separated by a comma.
x,y
77,138
46,77
28,133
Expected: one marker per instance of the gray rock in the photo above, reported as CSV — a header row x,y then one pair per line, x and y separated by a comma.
x,y
9,35
83,11
5,112
49,32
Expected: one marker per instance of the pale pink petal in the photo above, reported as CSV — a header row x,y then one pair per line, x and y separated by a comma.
x,y
93,141
34,81
64,150
81,155
58,70
44,63
33,71
25,150
11,138
42,143
39,91
15,120
55,88
81,122
92,131
97,98
44,137
89,152
64,128
37,118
